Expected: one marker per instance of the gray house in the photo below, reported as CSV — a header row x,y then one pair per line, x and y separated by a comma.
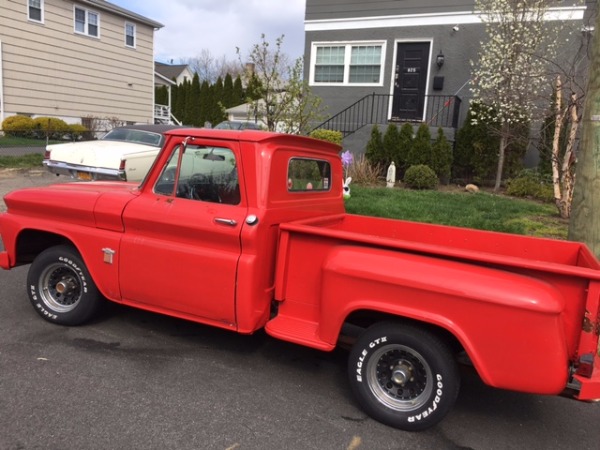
x,y
378,61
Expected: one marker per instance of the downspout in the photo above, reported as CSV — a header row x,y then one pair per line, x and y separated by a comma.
x,y
1,87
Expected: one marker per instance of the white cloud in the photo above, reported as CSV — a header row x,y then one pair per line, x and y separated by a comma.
x,y
221,26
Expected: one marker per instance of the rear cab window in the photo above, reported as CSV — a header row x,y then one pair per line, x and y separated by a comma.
x,y
308,175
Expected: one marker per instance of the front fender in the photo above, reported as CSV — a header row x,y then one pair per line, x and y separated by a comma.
x,y
509,324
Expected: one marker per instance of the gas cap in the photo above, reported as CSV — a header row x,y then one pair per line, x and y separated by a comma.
x,y
251,219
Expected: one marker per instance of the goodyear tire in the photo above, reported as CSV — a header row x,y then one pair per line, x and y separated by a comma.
x,y
403,376
60,287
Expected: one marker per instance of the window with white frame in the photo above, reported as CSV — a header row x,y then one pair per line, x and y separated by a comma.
x,y
130,34
87,22
35,10
347,63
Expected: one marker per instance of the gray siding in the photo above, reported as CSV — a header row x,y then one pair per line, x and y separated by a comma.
x,y
341,9
458,47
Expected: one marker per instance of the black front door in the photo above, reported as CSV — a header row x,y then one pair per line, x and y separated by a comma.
x,y
410,80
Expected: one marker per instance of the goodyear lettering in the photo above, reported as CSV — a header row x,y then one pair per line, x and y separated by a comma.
x,y
84,285
364,354
434,405
46,313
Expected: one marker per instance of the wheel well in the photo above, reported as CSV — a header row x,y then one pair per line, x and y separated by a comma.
x,y
32,242
359,320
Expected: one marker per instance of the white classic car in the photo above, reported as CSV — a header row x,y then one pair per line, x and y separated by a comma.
x,y
124,153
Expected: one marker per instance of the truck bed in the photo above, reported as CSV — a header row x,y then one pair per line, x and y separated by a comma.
x,y
565,257
542,290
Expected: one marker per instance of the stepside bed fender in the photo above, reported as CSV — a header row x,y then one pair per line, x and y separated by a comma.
x,y
507,322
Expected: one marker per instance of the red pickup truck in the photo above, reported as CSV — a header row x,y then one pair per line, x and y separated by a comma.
x,y
246,230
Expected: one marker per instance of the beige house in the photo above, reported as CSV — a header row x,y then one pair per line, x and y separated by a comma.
x,y
178,72
75,60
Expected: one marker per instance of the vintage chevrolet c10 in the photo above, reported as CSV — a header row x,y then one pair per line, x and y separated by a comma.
x,y
246,230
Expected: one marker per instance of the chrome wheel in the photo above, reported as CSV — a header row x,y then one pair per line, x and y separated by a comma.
x,y
60,288
399,378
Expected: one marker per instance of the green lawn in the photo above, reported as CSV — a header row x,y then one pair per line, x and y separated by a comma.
x,y
10,141
482,210
30,161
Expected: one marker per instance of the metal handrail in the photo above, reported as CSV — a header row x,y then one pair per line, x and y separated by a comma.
x,y
440,111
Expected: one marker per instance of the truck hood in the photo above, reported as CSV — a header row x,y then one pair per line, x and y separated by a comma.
x,y
96,204
106,154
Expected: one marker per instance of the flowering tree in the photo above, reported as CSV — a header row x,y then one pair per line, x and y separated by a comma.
x,y
511,71
278,91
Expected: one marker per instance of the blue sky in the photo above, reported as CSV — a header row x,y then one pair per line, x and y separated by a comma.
x,y
220,25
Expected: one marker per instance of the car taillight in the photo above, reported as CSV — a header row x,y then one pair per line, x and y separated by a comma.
x,y
122,173
47,154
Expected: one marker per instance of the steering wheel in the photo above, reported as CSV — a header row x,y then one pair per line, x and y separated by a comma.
x,y
202,188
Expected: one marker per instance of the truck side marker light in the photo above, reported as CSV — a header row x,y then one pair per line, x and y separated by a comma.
x,y
108,255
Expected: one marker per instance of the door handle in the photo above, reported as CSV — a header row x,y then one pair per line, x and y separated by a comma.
x,y
229,222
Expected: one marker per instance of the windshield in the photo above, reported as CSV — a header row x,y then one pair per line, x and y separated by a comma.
x,y
131,135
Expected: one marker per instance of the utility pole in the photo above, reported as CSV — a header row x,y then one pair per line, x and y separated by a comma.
x,y
585,213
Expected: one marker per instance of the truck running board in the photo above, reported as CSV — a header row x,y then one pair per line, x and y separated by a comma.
x,y
297,331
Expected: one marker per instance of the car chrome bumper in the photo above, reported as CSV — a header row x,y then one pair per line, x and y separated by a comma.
x,y
84,172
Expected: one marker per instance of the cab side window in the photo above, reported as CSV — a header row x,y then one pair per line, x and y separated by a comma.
x,y
207,174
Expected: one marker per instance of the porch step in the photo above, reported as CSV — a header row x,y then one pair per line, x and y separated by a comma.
x,y
298,331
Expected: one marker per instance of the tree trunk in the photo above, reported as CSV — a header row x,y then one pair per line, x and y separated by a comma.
x,y
567,177
585,213
504,135
558,121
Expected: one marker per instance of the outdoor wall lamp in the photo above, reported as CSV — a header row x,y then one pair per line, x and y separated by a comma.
x,y
440,59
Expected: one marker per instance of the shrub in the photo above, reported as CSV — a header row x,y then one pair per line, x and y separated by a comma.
x,y
420,151
363,172
76,131
420,177
18,126
405,144
441,157
328,135
531,184
391,145
375,152
50,128
476,148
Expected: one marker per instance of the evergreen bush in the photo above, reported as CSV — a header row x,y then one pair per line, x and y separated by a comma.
x,y
476,149
441,157
420,177
375,151
405,144
391,145
420,151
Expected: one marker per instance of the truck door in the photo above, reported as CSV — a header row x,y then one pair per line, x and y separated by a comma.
x,y
181,246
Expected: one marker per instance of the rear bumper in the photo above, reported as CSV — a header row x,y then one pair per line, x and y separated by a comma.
x,y
588,387
75,171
